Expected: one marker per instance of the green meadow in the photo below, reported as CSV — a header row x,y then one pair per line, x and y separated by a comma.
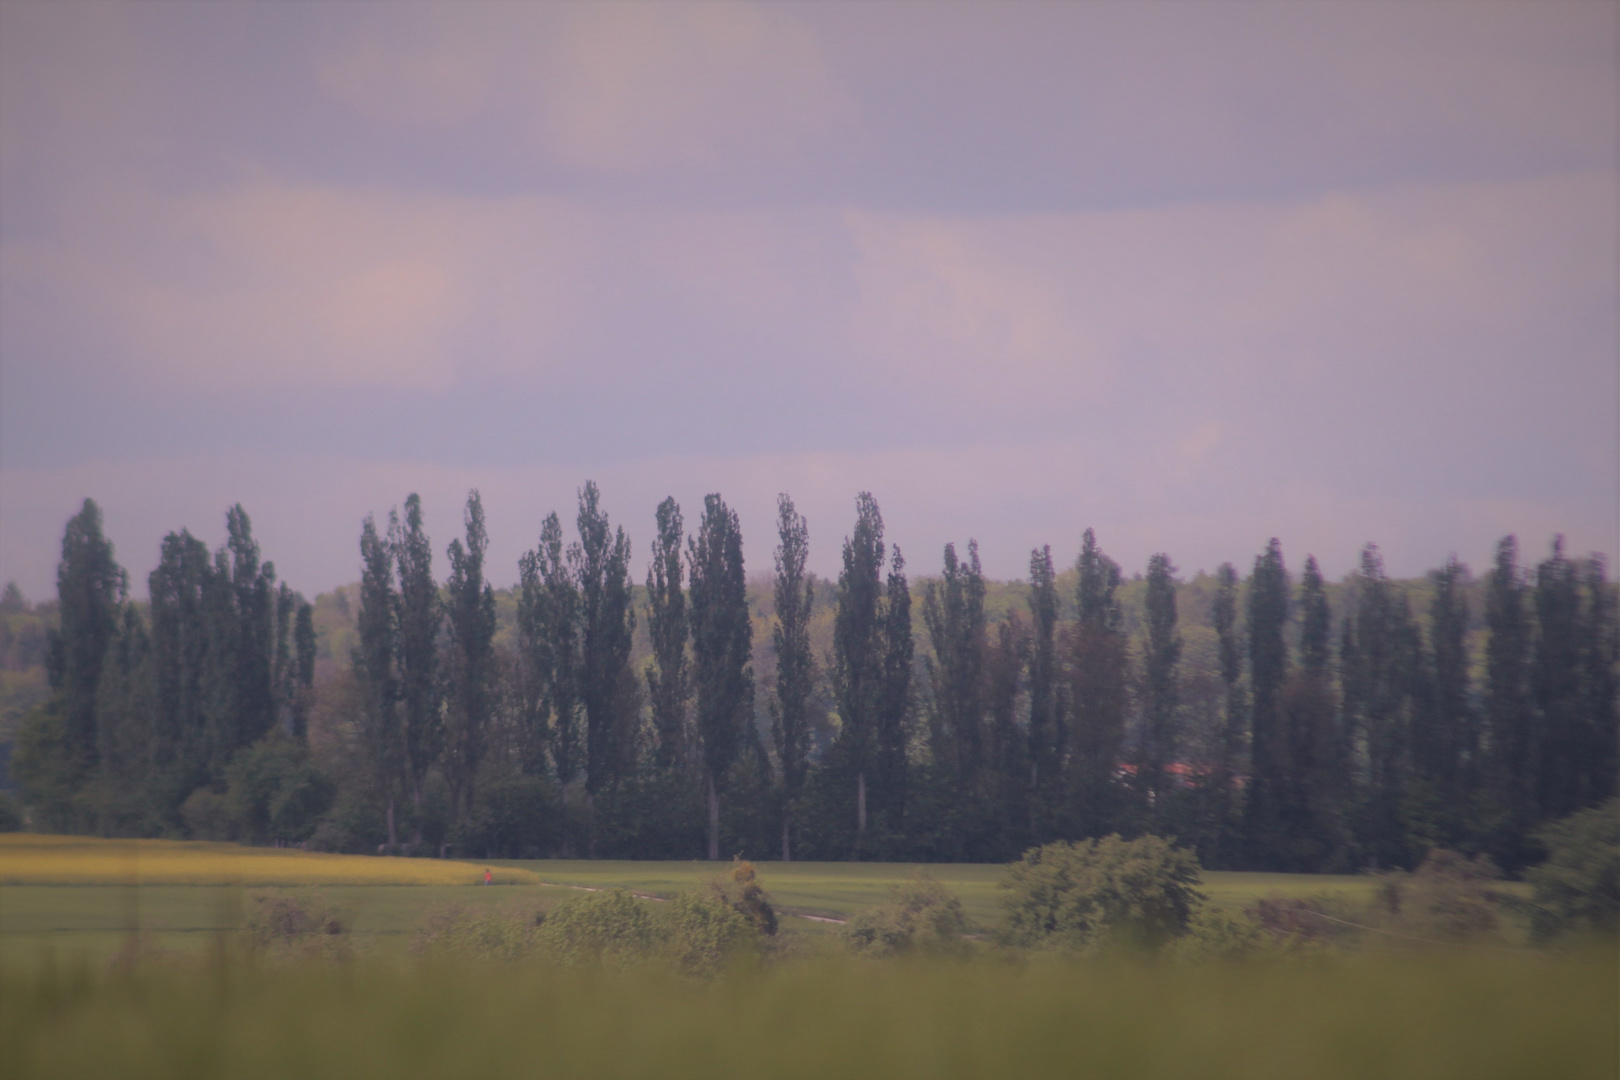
x,y
87,898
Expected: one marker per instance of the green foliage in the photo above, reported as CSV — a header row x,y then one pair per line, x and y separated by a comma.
x,y
668,680
703,934
921,917
1448,898
47,771
1578,887
722,638
608,927
795,669
459,932
742,891
274,792
297,924
515,816
1095,893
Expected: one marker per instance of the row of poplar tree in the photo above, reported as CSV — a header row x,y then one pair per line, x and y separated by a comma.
x,y
1338,738
152,703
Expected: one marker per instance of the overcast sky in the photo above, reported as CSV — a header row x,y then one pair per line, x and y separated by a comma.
x,y
1194,275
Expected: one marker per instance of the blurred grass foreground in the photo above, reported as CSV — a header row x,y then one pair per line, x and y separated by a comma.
x,y
1466,1016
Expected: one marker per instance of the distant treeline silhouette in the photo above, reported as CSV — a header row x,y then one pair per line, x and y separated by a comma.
x,y
1281,725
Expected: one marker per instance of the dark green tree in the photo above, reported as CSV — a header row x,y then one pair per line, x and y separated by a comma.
x,y
722,643
183,651
1600,706
1222,786
375,661
858,648
247,621
1313,799
1556,678
1446,741
1099,681
795,666
1045,707
91,589
600,563
1161,659
470,614
1383,691
953,612
668,680
895,698
1510,722
420,617
1268,668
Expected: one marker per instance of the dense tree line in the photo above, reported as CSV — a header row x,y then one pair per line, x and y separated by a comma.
x,y
1266,722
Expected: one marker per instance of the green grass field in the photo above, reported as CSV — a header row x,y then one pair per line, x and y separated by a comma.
x,y
71,895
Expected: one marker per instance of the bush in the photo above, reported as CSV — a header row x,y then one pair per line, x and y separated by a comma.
x,y
207,815
1093,893
1578,887
283,922
1448,898
275,793
742,891
609,927
506,935
514,815
922,916
703,934
1213,935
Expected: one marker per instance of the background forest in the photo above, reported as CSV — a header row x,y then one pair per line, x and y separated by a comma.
x,y
686,703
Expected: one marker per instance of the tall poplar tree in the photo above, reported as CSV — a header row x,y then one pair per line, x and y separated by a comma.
x,y
722,639
1600,706
795,670
1230,746
1382,693
1573,683
1045,712
420,616
1510,722
600,562
1445,747
1161,659
895,696
953,611
668,680
857,648
91,588
470,612
1313,795
1268,667
1099,677
375,660
182,653
251,631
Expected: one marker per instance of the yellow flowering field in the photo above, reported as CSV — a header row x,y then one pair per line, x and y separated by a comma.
x,y
30,859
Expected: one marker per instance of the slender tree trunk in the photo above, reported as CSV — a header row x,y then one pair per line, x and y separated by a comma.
x,y
860,805
416,801
714,820
393,835
787,855
590,825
